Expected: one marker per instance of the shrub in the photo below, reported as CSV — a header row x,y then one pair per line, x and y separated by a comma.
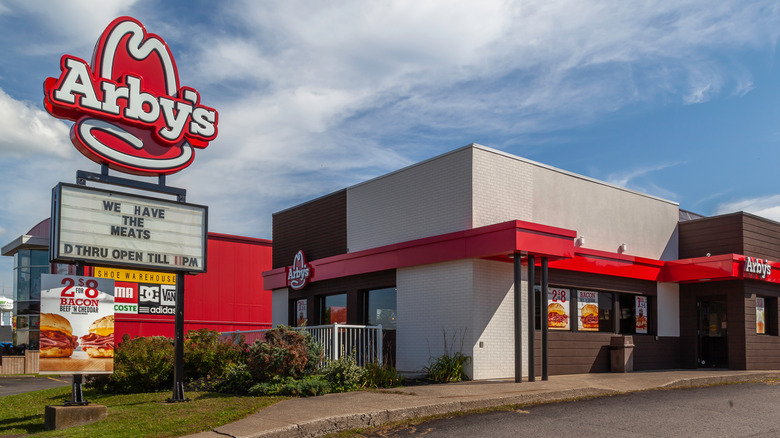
x,y
283,353
308,386
448,368
236,380
206,356
344,374
142,364
381,376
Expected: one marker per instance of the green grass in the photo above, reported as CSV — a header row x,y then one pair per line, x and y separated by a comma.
x,y
129,415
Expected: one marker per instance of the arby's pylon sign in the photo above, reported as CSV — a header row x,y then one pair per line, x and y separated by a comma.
x,y
130,111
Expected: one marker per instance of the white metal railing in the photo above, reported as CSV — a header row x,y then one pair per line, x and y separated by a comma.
x,y
337,340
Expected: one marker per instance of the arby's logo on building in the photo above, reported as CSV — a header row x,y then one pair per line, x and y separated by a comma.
x,y
130,111
757,268
300,272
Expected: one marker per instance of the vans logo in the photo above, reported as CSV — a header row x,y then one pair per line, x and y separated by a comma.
x,y
129,109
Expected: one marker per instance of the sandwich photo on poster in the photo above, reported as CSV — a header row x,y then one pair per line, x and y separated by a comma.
x,y
641,315
558,309
588,304
76,325
760,317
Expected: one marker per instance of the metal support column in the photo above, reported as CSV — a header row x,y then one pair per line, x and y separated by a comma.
x,y
76,388
178,354
518,265
544,320
531,319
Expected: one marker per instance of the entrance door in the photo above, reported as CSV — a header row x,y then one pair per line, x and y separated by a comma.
x,y
713,345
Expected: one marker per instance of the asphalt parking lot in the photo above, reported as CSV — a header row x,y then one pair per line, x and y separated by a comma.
x,y
19,384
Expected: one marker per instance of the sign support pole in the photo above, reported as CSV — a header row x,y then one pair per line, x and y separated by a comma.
x,y
76,388
178,356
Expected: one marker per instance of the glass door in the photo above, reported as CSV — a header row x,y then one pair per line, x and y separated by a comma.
x,y
713,327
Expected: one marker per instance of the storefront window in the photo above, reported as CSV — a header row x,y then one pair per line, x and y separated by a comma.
x,y
381,308
634,312
766,316
606,313
301,312
334,309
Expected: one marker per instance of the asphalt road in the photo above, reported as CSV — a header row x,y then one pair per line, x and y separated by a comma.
x,y
739,410
19,384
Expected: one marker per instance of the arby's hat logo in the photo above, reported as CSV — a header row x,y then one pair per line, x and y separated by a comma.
x,y
129,109
300,272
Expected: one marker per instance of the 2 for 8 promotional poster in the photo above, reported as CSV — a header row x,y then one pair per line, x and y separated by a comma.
x,y
76,325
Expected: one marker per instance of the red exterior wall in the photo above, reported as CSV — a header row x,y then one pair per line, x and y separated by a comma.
x,y
229,297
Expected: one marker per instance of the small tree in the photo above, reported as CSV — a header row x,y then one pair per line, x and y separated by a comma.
x,y
283,353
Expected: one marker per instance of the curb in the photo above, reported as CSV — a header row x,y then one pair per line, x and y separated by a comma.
x,y
379,417
432,407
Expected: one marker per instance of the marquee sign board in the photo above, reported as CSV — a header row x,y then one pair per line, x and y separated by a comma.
x,y
130,111
102,227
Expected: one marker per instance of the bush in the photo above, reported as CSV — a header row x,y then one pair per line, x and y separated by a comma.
x,y
236,380
283,353
344,374
381,376
448,368
142,364
306,387
206,356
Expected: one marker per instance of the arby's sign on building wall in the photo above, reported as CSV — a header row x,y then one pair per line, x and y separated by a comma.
x,y
758,269
131,113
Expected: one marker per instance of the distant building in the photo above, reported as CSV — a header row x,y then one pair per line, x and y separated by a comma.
x,y
229,297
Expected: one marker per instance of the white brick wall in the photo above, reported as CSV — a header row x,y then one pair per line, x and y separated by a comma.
x,y
503,189
426,199
433,301
468,301
494,320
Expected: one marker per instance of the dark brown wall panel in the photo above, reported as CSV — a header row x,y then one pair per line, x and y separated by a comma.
x,y
318,227
579,353
714,235
586,280
762,351
651,353
738,233
761,237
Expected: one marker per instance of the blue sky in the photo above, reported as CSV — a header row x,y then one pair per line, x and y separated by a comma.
x,y
679,99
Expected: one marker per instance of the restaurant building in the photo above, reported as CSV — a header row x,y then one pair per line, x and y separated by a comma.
x,y
229,296
434,253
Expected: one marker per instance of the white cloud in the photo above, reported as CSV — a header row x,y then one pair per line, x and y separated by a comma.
x,y
75,23
27,130
766,206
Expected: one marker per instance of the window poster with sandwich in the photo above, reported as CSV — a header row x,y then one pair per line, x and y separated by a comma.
x,y
76,325
558,308
588,304
641,315
760,317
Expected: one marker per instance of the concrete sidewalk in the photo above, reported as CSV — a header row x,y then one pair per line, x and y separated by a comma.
x,y
313,416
